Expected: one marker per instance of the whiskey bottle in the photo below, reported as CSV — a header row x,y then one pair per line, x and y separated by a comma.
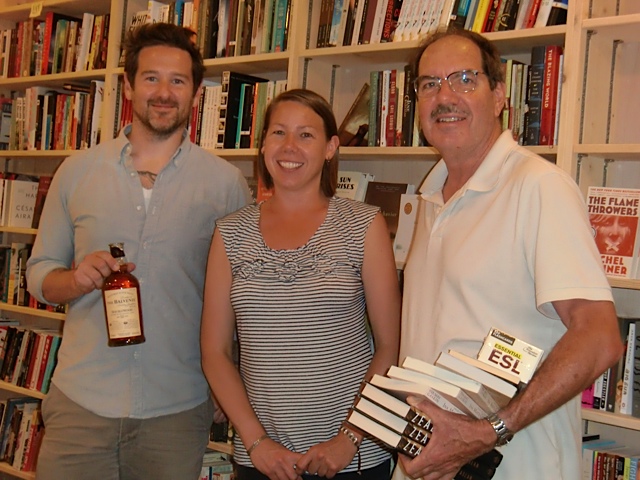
x,y
122,306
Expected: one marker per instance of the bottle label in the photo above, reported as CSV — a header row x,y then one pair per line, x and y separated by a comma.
x,y
123,315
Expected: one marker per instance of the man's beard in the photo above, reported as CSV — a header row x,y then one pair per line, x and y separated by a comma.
x,y
159,126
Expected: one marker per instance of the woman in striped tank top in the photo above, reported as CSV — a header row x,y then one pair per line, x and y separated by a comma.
x,y
294,276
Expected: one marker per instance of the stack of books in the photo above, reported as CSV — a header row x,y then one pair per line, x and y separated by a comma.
x,y
477,387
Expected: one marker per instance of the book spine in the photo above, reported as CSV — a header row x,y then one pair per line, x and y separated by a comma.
x,y
549,93
626,399
390,126
537,70
635,399
408,107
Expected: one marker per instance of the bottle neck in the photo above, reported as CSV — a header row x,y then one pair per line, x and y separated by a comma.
x,y
122,261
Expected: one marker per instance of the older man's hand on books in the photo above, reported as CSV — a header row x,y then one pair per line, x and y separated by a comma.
x,y
456,440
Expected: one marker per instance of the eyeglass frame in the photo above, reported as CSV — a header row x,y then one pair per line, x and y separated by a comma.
x,y
440,79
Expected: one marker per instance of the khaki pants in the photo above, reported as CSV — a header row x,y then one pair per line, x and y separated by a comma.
x,y
80,445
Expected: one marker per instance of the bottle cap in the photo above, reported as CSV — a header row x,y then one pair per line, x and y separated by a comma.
x,y
116,249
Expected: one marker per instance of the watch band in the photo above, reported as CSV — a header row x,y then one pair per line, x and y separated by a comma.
x,y
503,433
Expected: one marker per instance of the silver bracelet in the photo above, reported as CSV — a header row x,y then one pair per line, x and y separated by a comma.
x,y
351,436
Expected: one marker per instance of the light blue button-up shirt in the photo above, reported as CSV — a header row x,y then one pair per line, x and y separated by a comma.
x,y
96,198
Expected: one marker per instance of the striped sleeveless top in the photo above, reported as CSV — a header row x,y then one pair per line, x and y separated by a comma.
x,y
300,316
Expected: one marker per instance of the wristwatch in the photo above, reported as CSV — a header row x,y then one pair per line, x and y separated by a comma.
x,y
504,434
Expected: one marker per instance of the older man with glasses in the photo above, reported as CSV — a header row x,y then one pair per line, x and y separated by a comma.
x,y
503,240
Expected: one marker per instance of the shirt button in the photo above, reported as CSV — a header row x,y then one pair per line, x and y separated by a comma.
x,y
132,174
139,207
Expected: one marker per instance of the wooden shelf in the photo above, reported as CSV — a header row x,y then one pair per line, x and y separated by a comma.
x,y
612,151
628,283
621,27
9,387
22,230
55,154
221,447
614,419
6,468
34,312
56,80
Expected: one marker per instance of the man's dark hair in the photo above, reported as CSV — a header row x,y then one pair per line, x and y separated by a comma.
x,y
491,63
166,34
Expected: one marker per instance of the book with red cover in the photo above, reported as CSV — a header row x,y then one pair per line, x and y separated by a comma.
x,y
550,94
614,215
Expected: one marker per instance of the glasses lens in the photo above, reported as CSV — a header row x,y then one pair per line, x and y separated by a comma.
x,y
426,86
464,81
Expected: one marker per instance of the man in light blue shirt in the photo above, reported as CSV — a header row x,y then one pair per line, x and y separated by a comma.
x,y
140,411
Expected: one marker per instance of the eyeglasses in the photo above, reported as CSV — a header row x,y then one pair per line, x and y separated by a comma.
x,y
464,81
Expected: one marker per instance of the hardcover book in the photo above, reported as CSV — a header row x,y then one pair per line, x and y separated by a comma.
x,y
387,196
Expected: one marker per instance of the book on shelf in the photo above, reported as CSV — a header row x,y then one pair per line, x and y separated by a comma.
x,y
614,213
534,95
628,373
232,87
353,131
550,95
138,18
6,107
352,184
21,201
387,196
510,354
44,182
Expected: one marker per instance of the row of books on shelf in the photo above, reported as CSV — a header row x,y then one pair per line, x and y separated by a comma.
x,y
603,459
533,94
28,356
225,28
21,431
356,22
22,199
614,214
617,390
384,111
56,44
229,114
52,119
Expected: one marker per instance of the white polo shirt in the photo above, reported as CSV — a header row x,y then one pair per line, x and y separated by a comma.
x,y
513,239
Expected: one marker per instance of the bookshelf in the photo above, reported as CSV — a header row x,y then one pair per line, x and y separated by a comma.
x,y
602,42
